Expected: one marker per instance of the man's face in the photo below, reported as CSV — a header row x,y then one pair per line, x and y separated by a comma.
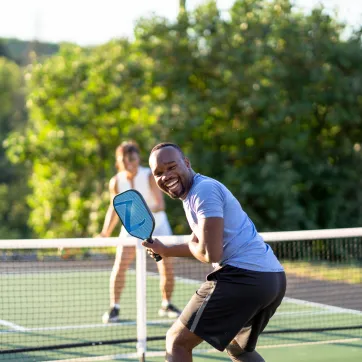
x,y
128,163
172,172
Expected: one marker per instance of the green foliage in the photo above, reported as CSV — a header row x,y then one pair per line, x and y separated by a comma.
x,y
267,100
13,179
269,103
82,104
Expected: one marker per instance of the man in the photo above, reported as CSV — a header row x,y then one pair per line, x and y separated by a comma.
x,y
131,175
234,305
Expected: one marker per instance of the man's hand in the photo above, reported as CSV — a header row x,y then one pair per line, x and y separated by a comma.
x,y
156,247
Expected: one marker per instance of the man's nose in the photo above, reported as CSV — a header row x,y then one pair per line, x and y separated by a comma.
x,y
166,176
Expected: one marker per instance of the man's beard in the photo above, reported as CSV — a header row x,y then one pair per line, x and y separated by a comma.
x,y
177,195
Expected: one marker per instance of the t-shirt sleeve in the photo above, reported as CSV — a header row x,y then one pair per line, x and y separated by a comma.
x,y
209,200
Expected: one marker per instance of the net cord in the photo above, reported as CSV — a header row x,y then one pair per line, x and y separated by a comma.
x,y
174,239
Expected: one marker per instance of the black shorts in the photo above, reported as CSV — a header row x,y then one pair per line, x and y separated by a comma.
x,y
235,304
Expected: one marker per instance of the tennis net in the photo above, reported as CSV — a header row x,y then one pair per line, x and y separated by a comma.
x,y
54,293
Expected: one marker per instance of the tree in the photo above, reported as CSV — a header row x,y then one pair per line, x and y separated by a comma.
x,y
267,101
82,104
13,185
182,5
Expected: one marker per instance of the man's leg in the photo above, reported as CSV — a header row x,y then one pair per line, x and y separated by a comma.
x,y
124,257
238,354
180,342
236,349
243,356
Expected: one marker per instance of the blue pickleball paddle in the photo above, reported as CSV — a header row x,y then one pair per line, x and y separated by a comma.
x,y
135,215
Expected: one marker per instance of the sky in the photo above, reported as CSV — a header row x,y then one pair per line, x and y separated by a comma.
x,y
90,22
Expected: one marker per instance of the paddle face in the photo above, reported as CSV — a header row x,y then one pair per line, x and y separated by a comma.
x,y
135,215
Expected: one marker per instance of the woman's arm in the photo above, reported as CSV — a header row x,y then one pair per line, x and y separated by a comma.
x,y
111,218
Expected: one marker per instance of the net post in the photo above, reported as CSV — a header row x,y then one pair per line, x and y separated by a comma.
x,y
141,300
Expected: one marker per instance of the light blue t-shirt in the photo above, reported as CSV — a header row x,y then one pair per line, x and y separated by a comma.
x,y
243,247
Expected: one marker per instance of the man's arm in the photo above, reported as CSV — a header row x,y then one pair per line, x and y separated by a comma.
x,y
207,249
111,219
208,246
176,250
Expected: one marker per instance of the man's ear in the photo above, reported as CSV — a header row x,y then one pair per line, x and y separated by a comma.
x,y
187,162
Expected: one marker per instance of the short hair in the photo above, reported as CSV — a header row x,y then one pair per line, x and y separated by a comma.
x,y
127,148
167,144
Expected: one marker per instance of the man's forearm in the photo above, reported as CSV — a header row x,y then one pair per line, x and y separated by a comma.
x,y
185,250
197,252
179,250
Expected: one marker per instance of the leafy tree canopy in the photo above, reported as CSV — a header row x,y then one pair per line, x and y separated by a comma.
x,y
13,184
267,100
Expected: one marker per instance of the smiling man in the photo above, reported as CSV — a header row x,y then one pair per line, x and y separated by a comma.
x,y
234,305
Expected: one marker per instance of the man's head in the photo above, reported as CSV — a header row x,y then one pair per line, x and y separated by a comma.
x,y
128,157
171,169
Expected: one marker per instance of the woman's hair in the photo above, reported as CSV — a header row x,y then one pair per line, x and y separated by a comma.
x,y
127,148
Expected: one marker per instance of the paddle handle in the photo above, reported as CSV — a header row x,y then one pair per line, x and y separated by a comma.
x,y
156,256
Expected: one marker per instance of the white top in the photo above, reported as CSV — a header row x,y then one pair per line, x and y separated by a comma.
x,y
141,183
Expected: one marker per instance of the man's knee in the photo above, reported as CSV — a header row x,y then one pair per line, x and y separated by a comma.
x,y
172,337
234,350
238,354
251,357
179,337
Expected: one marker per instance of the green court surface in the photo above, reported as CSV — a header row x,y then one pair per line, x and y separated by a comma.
x,y
56,307
349,351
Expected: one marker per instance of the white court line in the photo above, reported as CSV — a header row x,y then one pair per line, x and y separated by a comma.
x,y
202,351
85,326
13,326
300,344
286,299
323,306
150,322
305,313
307,303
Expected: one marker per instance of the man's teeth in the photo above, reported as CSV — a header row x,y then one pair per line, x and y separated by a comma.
x,y
172,183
